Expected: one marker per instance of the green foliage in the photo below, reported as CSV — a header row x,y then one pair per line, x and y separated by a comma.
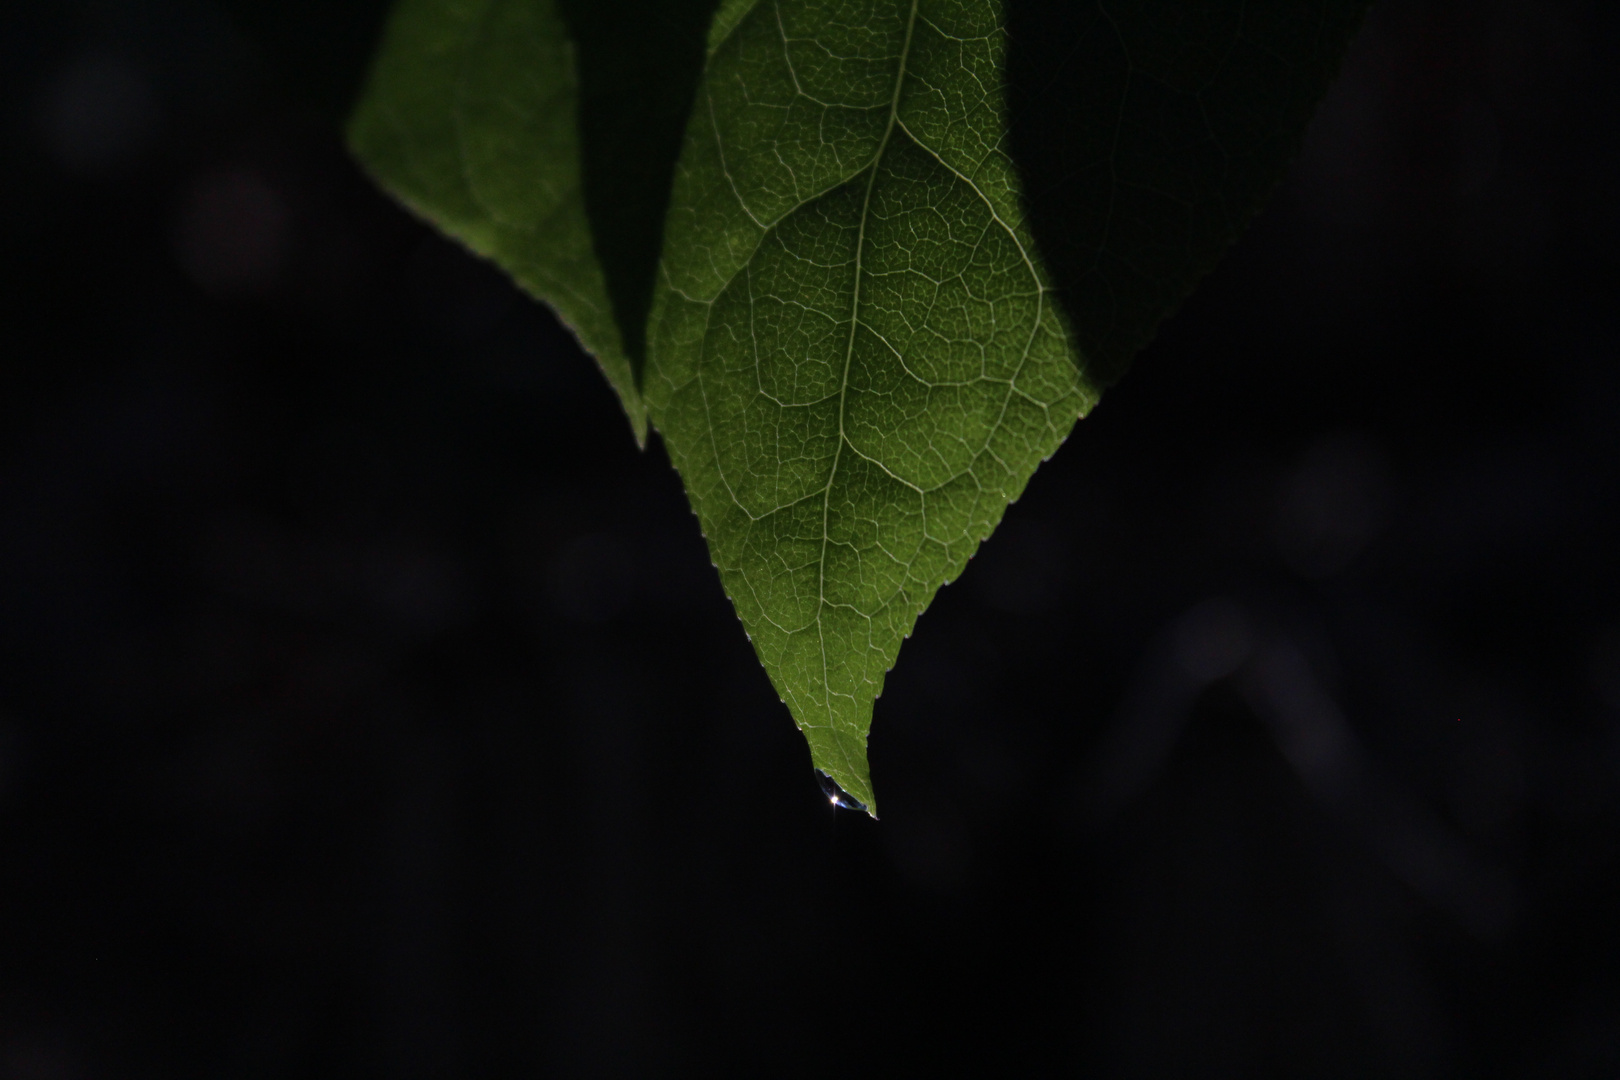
x,y
902,250
856,359
472,118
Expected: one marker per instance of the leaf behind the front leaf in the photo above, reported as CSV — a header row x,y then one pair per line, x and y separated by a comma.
x,y
470,118
1148,133
543,135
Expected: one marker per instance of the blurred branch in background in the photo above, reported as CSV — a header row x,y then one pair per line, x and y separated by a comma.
x,y
1268,664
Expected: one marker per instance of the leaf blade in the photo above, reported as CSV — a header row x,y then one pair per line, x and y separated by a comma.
x,y
855,359
470,118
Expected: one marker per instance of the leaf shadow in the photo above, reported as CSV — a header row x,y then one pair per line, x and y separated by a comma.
x,y
1148,134
639,62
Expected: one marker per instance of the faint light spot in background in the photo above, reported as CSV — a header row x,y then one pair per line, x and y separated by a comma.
x,y
1332,505
233,234
98,111
592,578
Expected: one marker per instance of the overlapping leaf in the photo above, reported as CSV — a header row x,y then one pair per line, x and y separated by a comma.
x,y
473,118
869,323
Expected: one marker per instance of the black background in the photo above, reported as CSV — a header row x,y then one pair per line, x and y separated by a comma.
x,y
368,705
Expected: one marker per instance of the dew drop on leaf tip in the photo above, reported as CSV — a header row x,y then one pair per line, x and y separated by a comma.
x,y
837,795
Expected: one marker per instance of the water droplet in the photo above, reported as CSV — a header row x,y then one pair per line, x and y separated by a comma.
x,y
837,795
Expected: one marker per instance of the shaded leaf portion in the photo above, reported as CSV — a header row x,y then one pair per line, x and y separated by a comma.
x,y
855,358
639,63
545,143
1148,133
471,120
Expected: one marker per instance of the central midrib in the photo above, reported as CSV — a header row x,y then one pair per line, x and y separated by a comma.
x,y
849,354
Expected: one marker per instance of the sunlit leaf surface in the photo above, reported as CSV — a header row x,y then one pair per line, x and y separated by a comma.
x,y
856,359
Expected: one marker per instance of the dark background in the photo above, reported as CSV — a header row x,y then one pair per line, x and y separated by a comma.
x,y
368,705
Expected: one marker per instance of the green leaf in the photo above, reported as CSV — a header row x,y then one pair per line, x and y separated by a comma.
x,y
907,243
543,136
857,360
